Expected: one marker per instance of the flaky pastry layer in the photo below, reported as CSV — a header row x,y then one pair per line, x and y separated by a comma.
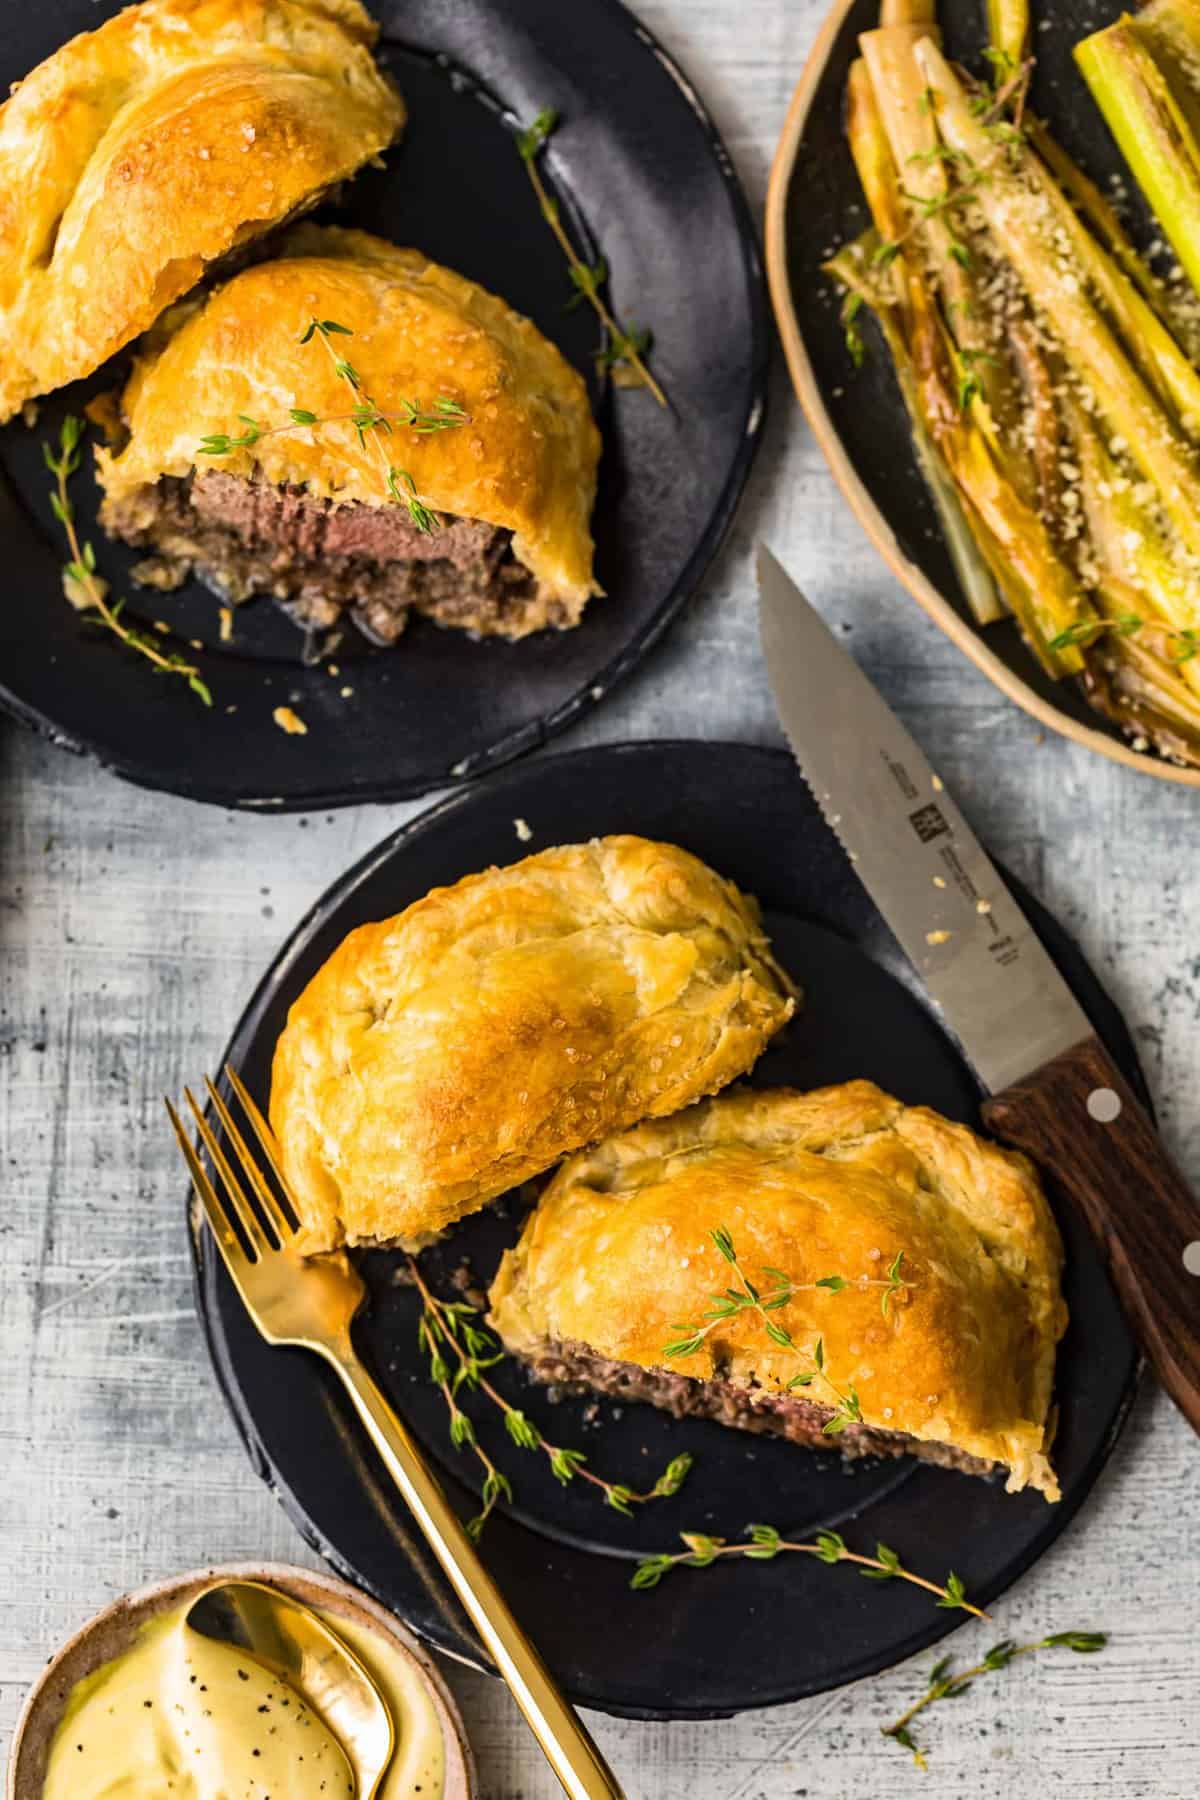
x,y
142,152
525,459
617,1257
441,1057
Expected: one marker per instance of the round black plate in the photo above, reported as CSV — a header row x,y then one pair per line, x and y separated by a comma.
x,y
639,168
864,406
696,1647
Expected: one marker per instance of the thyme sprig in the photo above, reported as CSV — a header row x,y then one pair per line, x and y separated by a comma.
x,y
749,1298
460,1352
85,587
627,346
765,1543
946,1685
367,418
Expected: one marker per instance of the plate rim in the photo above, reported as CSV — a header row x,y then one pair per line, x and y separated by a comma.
x,y
967,638
594,690
222,1365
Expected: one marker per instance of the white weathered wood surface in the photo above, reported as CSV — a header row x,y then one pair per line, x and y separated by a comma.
x,y
132,928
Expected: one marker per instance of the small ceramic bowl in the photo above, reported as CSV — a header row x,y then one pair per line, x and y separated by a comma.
x,y
111,1631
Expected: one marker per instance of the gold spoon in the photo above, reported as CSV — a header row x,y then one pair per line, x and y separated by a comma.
x,y
291,1641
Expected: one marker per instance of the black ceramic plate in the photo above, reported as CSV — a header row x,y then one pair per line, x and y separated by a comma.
x,y
699,1646
858,415
641,172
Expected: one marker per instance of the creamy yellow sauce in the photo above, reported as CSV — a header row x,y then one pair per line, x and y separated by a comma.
x,y
180,1715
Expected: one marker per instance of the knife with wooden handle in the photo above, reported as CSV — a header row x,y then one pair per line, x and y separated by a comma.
x,y
1053,1090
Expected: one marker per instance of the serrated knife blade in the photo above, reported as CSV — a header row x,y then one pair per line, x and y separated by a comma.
x,y
940,893
1055,1092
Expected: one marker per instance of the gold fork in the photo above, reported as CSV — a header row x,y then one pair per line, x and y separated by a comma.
x,y
312,1301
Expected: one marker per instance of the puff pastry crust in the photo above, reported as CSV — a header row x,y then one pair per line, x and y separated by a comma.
x,y
526,460
440,1057
836,1181
141,152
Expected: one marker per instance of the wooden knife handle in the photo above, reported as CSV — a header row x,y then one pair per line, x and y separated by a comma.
x,y
1079,1119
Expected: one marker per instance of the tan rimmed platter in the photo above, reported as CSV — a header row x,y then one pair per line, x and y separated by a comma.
x,y
111,1631
814,203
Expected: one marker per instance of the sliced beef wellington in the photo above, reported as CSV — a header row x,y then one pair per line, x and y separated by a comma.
x,y
441,1057
466,496
618,1262
146,153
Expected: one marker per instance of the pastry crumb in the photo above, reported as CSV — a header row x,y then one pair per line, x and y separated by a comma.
x,y
936,937
346,692
938,784
523,830
29,414
226,618
289,721
939,881
983,906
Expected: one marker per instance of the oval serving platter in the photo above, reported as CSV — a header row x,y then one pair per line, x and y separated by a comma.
x,y
563,1558
858,416
641,174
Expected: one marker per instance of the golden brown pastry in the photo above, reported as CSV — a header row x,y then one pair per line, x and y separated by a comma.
x,y
443,1056
144,151
617,1261
306,513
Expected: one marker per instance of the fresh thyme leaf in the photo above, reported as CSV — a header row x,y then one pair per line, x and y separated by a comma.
x,y
702,1548
588,279
623,347
955,1592
835,1283
672,1477
723,1240
855,343
904,1737
532,138
651,1570
402,487
765,1542
521,1430
831,1547
1084,1643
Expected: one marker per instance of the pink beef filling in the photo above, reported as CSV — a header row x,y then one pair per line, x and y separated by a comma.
x,y
321,560
572,1369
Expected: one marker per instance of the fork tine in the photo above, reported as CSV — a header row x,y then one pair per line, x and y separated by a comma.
x,y
275,1215
237,1202
227,1239
265,1136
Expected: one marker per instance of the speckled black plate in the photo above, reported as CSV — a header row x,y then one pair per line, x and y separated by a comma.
x,y
858,416
639,169
698,1646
